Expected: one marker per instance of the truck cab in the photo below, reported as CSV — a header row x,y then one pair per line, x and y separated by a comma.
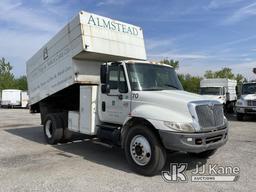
x,y
149,97
214,92
246,104
220,89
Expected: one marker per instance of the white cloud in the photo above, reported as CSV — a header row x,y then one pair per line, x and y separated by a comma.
x,y
112,2
215,4
241,14
50,1
18,47
23,31
26,18
156,43
177,55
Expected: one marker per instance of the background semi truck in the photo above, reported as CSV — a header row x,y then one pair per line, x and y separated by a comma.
x,y
93,78
221,89
14,98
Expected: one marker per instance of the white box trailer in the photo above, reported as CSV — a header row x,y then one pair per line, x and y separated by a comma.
x,y
24,99
81,81
11,98
221,89
14,98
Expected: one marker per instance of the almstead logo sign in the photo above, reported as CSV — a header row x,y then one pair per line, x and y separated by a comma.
x,y
112,25
202,173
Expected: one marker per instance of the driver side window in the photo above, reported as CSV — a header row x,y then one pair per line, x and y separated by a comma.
x,y
117,78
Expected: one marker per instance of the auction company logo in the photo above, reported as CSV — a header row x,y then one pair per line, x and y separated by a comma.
x,y
204,173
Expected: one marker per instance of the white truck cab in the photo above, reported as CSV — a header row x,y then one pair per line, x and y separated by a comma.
x,y
246,104
220,89
93,78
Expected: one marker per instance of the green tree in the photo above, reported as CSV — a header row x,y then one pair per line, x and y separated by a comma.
x,y
209,74
240,78
6,76
171,62
21,83
190,83
224,73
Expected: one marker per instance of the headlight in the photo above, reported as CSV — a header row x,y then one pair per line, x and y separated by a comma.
x,y
184,127
240,102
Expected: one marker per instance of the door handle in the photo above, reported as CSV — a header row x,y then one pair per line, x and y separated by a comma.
x,y
120,97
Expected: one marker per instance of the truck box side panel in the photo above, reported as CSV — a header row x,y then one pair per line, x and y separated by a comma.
x,y
106,37
75,53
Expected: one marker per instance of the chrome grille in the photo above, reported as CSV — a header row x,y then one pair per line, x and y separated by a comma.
x,y
210,116
251,102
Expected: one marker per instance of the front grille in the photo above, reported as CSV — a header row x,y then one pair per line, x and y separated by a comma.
x,y
210,116
251,102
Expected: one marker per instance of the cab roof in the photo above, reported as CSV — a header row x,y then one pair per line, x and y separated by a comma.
x,y
145,62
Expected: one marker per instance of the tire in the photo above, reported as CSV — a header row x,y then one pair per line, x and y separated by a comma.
x,y
231,106
153,155
239,116
67,134
204,154
53,130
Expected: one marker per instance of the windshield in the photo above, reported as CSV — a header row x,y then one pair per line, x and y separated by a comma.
x,y
249,88
151,77
210,91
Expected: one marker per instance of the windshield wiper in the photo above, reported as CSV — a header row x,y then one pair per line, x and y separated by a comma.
x,y
168,85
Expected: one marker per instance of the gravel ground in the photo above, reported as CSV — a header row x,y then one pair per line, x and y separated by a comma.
x,y
27,163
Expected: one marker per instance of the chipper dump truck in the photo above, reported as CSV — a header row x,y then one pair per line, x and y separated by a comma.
x,y
221,89
93,78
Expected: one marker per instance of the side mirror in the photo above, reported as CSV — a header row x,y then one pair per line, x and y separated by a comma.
x,y
104,73
105,88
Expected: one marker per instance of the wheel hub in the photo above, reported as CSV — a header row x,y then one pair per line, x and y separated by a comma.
x,y
48,128
140,150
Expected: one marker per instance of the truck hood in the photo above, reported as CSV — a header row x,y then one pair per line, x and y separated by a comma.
x,y
249,97
215,97
166,105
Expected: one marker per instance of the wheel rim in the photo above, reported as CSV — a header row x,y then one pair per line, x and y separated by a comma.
x,y
48,128
140,150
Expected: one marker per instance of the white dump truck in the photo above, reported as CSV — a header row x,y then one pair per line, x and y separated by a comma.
x,y
221,89
14,98
93,78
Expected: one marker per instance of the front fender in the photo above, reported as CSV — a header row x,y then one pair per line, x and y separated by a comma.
x,y
151,112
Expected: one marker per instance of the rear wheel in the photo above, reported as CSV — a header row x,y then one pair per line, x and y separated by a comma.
x,y
143,151
53,130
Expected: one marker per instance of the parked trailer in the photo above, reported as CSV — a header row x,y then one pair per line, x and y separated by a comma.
x,y
93,78
14,98
221,89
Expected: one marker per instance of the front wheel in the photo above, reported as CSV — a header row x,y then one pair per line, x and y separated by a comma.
x,y
143,151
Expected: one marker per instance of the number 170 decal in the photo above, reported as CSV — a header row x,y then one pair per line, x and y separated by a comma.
x,y
135,95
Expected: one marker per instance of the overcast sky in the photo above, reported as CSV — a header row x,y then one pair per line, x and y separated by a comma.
x,y
201,34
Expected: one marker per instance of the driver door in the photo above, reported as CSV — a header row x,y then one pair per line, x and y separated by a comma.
x,y
115,106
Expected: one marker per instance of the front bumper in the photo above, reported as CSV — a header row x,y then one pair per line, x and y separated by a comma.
x,y
193,142
246,110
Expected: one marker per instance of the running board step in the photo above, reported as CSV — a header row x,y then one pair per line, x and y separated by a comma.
x,y
110,133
